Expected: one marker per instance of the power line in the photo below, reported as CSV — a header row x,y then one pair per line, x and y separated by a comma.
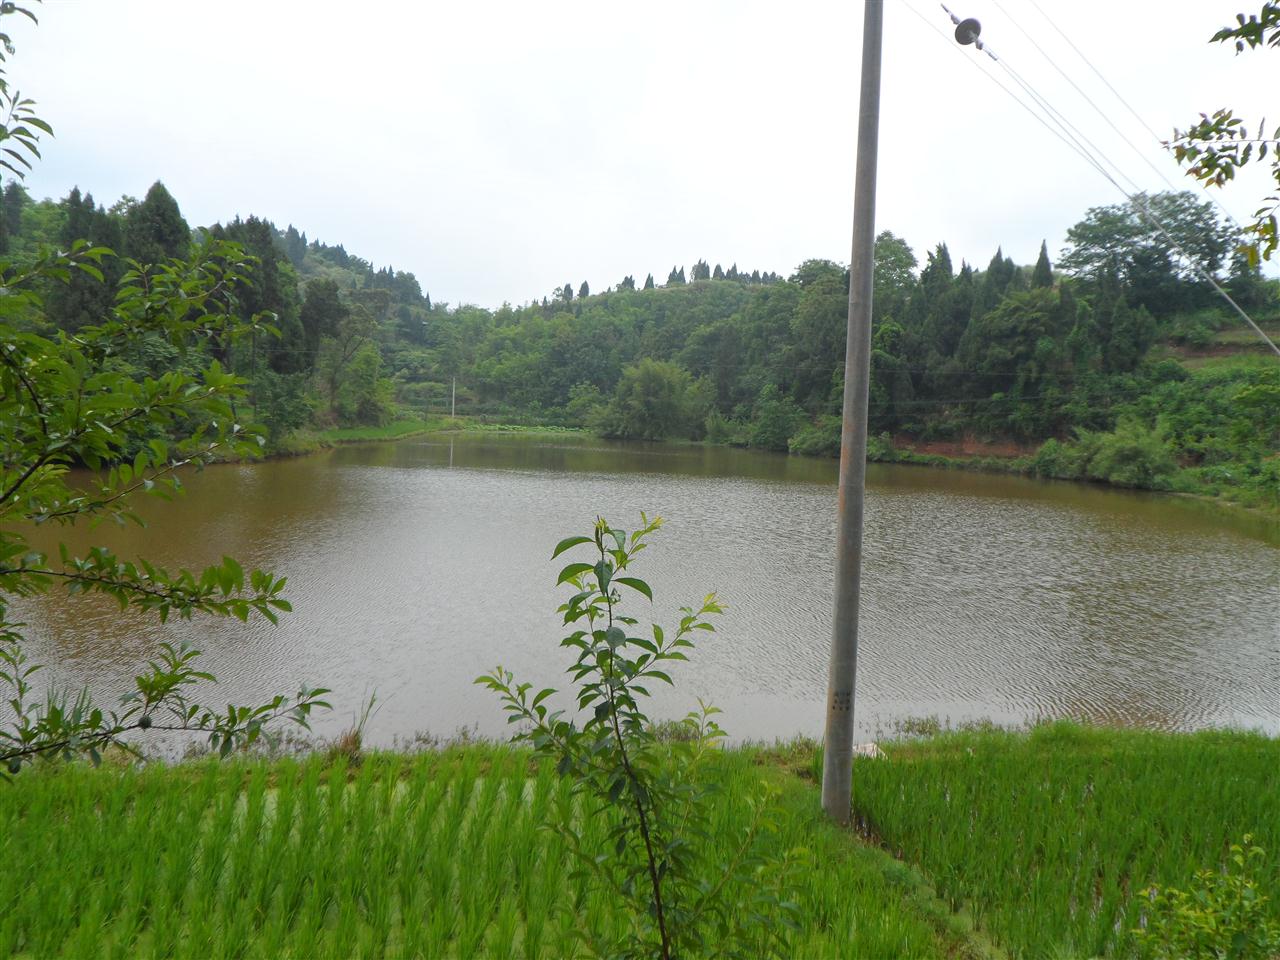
x,y
1136,198
1102,113
1097,72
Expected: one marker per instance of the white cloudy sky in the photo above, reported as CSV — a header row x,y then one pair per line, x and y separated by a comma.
x,y
500,149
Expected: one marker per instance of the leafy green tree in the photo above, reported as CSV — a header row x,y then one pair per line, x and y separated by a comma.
x,y
154,229
1129,334
652,401
280,405
365,397
354,328
584,291
894,276
1011,352
1220,144
322,315
777,418
818,330
67,402
1121,238
892,390
1132,456
585,403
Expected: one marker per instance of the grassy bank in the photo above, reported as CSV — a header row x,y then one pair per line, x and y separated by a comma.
x,y
1050,838
1046,839
309,441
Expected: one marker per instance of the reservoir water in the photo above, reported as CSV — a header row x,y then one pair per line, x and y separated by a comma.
x,y
415,566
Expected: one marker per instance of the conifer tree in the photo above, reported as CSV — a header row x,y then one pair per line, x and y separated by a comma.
x,y
15,198
680,276
154,228
648,282
584,291
567,293
718,273
1042,275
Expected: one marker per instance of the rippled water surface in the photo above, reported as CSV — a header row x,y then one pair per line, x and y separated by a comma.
x,y
415,566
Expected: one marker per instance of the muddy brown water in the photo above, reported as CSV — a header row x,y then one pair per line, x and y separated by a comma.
x,y
415,566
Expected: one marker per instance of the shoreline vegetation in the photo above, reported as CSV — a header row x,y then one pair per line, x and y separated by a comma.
x,y
1117,364
976,843
1034,461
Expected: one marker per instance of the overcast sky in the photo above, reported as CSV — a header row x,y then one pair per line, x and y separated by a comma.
x,y
498,150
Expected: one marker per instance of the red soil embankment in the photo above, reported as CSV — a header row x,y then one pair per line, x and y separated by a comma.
x,y
965,447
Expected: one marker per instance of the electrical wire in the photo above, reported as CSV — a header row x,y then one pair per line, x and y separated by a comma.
x,y
1098,73
1008,92
1102,113
1064,133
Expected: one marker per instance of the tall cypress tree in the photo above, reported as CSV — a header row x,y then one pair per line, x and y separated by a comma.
x,y
1042,275
83,300
155,230
15,198
648,282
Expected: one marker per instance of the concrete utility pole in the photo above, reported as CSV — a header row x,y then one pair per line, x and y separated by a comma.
x,y
453,399
837,758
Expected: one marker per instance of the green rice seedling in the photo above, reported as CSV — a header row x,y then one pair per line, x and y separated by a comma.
x,y
1048,836
244,859
424,794
296,870
86,939
439,931
477,900
341,937
278,828
501,942
308,926
273,933
220,826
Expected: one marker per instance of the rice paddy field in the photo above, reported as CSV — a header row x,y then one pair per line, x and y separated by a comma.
x,y
1050,838
977,844
431,855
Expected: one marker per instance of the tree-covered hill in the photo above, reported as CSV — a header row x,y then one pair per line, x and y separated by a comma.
x,y
1119,354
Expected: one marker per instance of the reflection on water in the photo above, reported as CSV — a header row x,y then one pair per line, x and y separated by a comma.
x,y
415,566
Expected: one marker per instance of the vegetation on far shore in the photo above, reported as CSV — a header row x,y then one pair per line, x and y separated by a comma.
x,y
1116,365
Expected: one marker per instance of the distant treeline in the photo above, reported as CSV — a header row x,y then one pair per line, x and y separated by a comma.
x,y
1108,353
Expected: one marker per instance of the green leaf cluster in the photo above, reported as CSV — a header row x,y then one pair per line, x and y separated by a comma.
x,y
1222,915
